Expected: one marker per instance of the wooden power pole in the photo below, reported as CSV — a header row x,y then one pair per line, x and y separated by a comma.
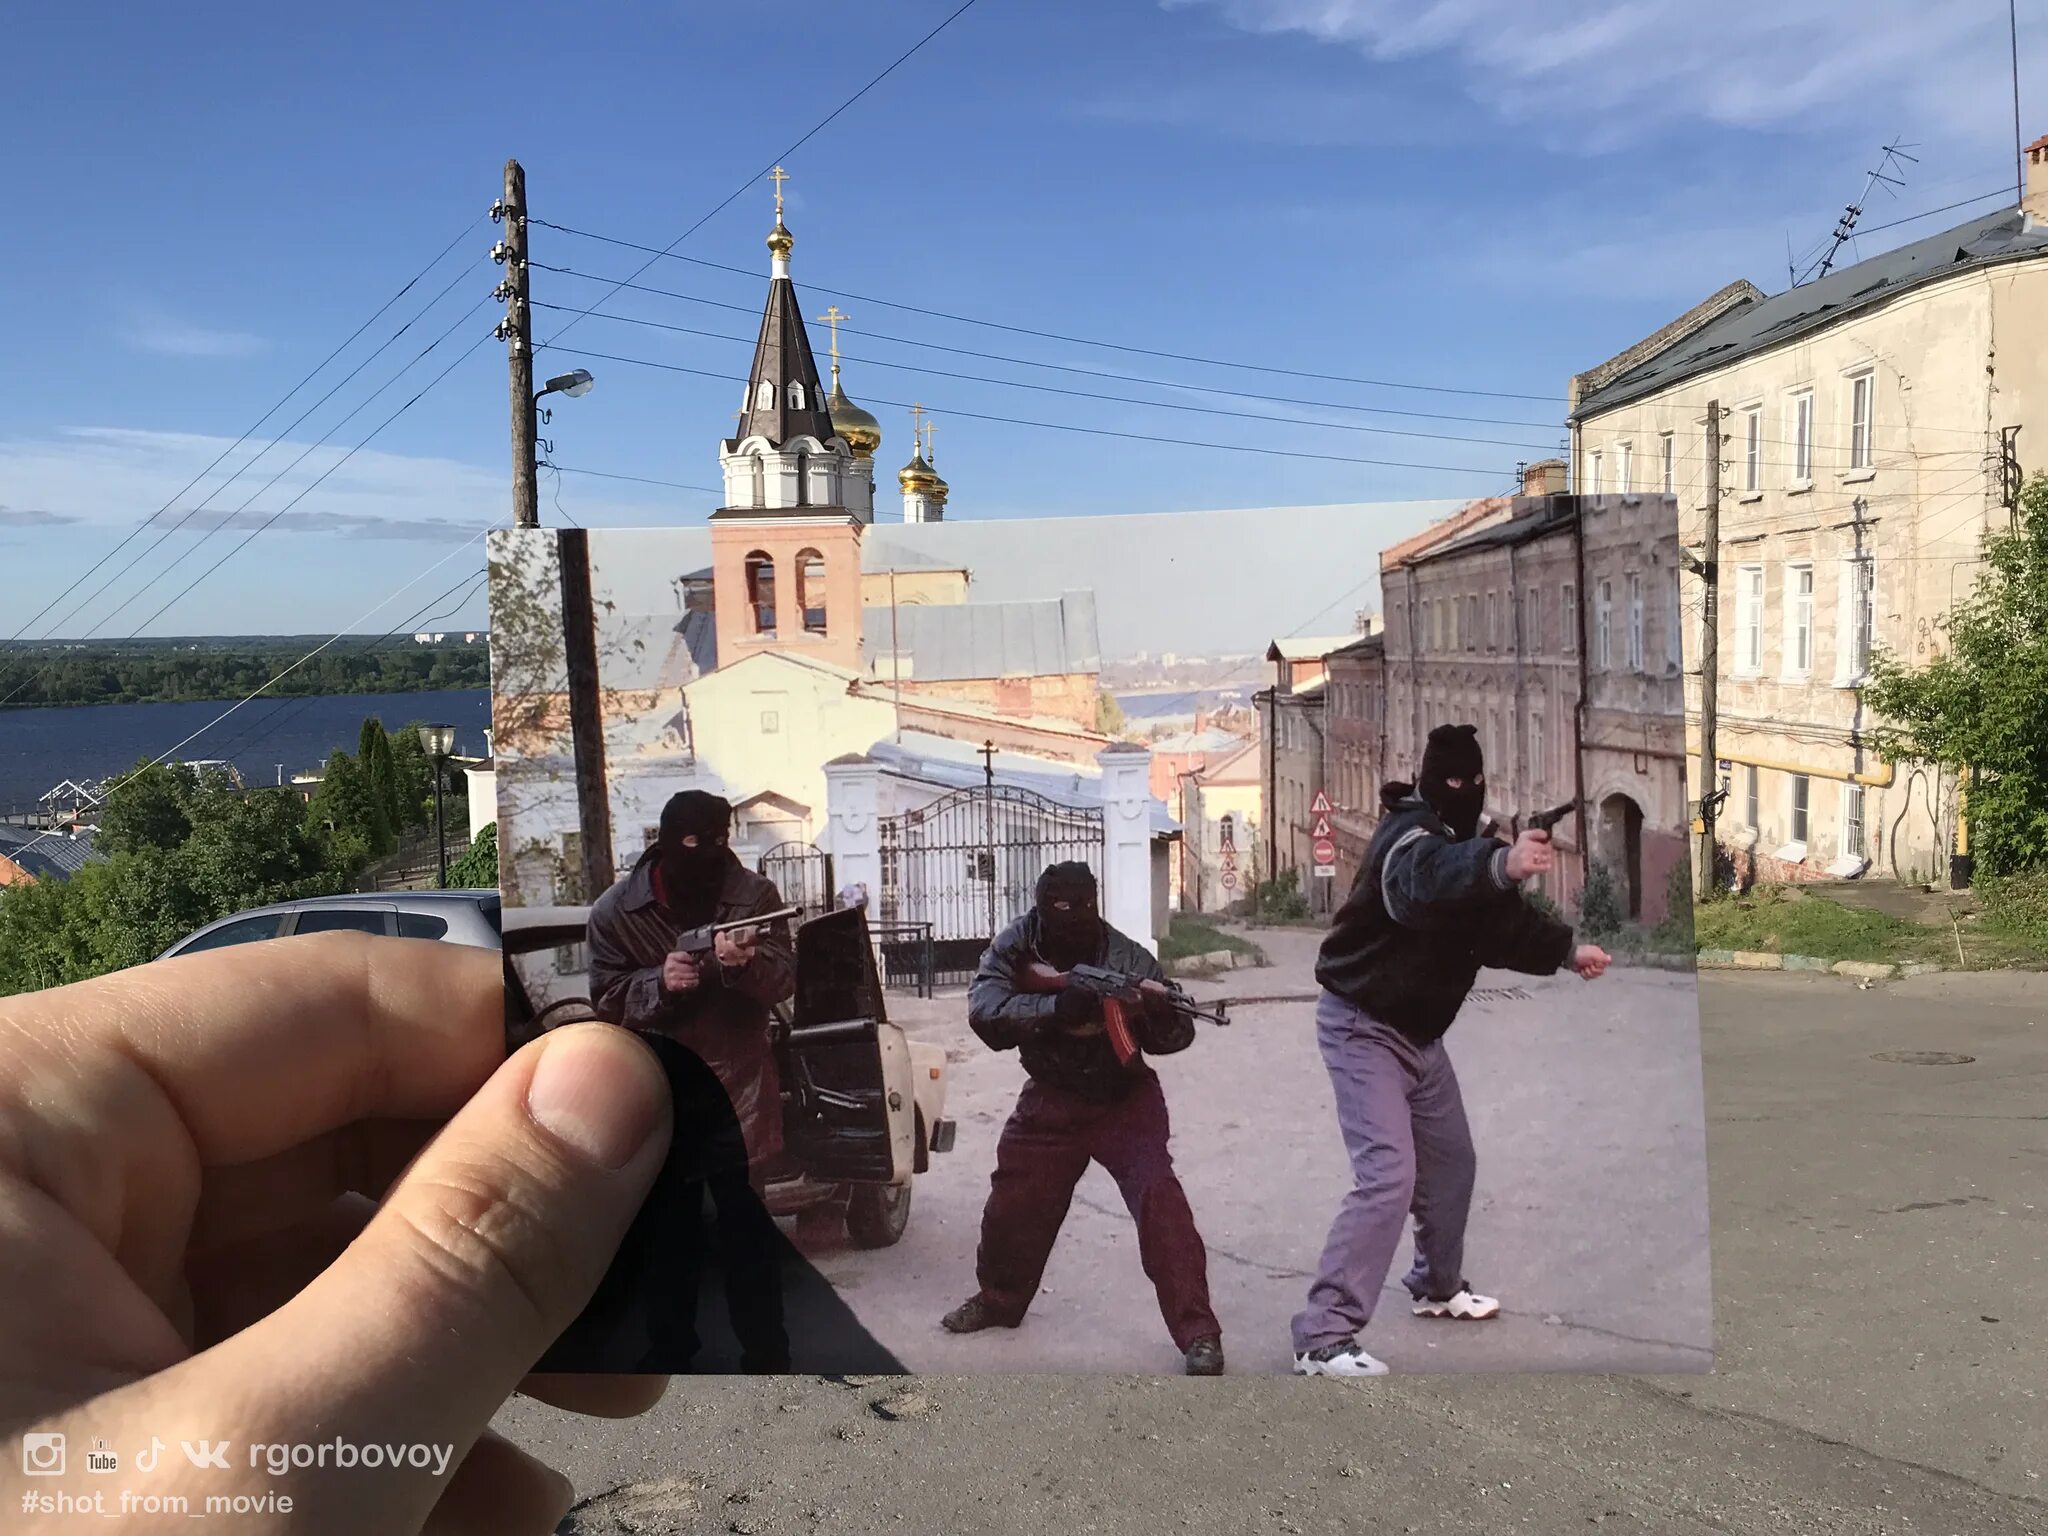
x,y
586,716
517,331
1709,570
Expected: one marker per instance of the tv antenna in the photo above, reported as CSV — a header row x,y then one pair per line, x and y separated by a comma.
x,y
1895,158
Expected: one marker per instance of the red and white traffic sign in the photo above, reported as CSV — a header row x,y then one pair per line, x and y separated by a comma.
x,y
1325,851
1320,806
1322,828
1230,879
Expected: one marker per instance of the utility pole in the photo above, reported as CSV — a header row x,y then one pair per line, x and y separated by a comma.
x,y
1708,569
516,330
586,716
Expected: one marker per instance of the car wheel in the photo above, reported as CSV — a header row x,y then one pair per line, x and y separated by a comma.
x,y
824,1222
877,1215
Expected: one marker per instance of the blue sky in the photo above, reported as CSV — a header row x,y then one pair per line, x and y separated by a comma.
x,y
1473,194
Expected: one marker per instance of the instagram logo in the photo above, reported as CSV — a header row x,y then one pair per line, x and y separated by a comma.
x,y
42,1455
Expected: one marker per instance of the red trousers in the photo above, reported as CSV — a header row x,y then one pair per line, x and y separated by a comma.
x,y
1045,1148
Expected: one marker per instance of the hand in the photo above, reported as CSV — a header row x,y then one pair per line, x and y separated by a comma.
x,y
1529,855
681,973
1077,1012
186,1149
1591,961
736,948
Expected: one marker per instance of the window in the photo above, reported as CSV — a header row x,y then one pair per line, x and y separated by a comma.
x,y
761,591
1859,623
1492,621
771,722
1802,436
1852,820
1753,448
421,925
1472,623
759,474
796,395
1538,768
1532,622
241,931
1568,620
342,920
803,479
1802,792
1749,619
1799,620
1752,801
1603,623
1635,622
1667,455
1861,389
810,590
1593,474
1624,467
1674,655
764,397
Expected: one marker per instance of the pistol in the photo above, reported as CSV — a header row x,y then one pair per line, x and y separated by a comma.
x,y
1543,821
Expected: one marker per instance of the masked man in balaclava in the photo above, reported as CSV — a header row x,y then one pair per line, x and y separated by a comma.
x,y
1082,1103
716,1004
1433,903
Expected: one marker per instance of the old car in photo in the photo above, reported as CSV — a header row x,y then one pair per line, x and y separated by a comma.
x,y
863,1105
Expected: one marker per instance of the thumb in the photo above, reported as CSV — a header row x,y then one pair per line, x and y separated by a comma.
x,y
481,1255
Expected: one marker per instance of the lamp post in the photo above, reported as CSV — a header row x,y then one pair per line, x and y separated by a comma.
x,y
439,742
574,385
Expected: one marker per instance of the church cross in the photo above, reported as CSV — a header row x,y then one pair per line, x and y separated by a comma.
x,y
916,429
931,427
832,317
778,176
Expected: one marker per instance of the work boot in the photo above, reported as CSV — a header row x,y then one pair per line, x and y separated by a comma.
x,y
975,1314
1205,1357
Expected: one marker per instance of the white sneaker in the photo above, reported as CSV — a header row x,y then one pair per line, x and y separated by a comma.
x,y
1466,1306
1338,1360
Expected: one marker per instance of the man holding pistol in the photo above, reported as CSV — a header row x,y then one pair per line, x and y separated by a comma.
x,y
1082,1103
649,972
1433,902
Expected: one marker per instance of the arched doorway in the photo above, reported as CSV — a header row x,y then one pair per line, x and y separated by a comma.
x,y
1621,849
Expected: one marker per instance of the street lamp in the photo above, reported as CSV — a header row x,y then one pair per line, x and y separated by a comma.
x,y
439,742
575,384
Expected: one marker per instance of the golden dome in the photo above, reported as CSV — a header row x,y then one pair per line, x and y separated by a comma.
x,y
780,239
860,431
920,476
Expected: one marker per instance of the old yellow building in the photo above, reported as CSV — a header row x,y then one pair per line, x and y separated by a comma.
x,y
1867,444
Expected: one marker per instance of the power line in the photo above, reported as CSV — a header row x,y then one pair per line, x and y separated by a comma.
x,y
601,474
1083,394
1078,341
1057,426
330,357
243,469
753,310
786,154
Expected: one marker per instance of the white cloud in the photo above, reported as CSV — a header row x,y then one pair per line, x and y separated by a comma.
x,y
1606,71
166,336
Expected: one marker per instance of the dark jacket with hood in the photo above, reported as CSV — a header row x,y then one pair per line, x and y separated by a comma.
x,y
1427,912
726,1020
1084,1065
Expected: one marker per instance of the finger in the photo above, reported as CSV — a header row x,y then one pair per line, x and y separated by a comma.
x,y
500,1490
248,1200
601,1397
478,1259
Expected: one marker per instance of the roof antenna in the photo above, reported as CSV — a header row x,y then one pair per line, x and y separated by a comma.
x,y
1845,228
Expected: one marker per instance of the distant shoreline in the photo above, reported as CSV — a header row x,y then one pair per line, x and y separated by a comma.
x,y
86,674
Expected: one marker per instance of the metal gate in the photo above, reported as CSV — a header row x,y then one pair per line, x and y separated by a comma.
x,y
802,873
966,865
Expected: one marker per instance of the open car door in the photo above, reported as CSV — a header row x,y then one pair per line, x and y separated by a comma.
x,y
849,1115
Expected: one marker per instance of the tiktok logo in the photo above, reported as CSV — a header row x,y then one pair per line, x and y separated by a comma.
x,y
146,1462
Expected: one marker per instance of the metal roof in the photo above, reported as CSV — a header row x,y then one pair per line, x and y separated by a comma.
x,y
45,855
1754,327
782,357
1534,516
950,642
880,555
1307,647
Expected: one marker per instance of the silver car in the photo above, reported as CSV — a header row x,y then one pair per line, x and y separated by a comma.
x,y
454,917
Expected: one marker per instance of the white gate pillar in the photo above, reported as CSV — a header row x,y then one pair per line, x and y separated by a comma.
x,y
853,794
1127,840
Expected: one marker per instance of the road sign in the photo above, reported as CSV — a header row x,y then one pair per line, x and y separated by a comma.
x,y
1230,879
1322,828
1325,852
1326,871
1320,806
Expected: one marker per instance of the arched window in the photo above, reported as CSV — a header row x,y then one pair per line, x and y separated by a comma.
x,y
761,591
796,395
764,397
810,590
803,479
760,478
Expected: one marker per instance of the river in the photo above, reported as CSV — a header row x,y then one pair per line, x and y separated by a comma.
x,y
40,748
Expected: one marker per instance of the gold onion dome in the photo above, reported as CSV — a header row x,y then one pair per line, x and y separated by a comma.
x,y
780,239
860,431
920,476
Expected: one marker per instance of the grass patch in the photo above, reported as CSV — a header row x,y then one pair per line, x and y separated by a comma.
x,y
1786,920
1188,936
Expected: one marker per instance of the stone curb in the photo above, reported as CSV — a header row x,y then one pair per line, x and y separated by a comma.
x,y
1854,970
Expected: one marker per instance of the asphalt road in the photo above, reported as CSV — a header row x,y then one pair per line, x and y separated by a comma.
x,y
1877,1232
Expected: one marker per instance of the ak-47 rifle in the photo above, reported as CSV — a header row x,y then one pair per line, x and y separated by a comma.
x,y
1119,993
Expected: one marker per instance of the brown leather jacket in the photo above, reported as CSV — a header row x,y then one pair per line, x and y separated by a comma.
x,y
727,1020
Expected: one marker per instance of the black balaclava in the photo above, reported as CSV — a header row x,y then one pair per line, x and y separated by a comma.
x,y
1069,922
691,877
1453,753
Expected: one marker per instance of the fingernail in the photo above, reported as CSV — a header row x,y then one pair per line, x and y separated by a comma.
x,y
599,1092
